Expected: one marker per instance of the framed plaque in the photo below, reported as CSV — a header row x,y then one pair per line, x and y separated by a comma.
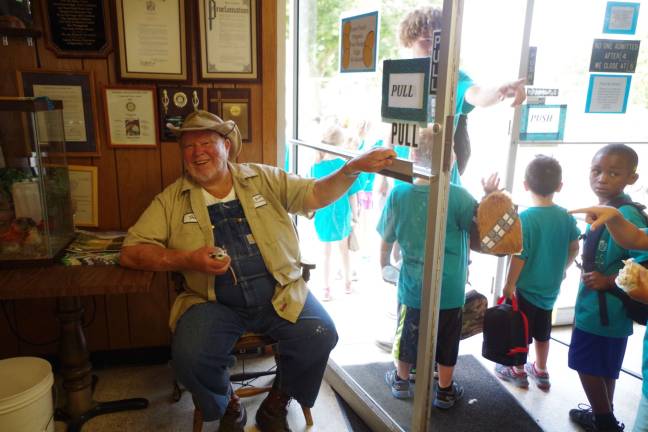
x,y
131,118
77,28
229,32
76,90
84,191
176,103
152,42
232,104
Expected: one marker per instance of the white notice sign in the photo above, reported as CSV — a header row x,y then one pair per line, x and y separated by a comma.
x,y
608,93
406,90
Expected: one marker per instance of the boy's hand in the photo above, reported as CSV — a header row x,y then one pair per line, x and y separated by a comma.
x,y
509,290
491,184
597,281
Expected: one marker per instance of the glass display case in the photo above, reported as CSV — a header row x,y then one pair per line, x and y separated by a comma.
x,y
35,204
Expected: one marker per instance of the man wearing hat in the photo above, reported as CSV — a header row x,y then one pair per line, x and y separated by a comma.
x,y
227,228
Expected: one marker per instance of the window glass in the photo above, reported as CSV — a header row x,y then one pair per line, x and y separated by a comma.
x,y
564,47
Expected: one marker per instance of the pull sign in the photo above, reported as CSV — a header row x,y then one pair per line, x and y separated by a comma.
x,y
434,64
404,134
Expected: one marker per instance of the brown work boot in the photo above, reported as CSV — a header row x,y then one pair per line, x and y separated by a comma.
x,y
271,415
235,416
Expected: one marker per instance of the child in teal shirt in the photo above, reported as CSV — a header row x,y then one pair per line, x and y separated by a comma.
x,y
333,222
597,349
550,244
404,220
628,236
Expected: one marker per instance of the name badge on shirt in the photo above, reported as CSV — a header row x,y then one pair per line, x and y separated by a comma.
x,y
258,201
189,218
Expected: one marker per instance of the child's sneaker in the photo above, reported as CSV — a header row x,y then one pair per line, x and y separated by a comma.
x,y
583,416
447,399
541,378
508,373
401,389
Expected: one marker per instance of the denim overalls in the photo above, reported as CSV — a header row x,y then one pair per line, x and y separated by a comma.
x,y
206,333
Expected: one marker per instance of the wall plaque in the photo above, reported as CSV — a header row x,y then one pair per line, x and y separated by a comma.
x,y
232,104
176,103
77,28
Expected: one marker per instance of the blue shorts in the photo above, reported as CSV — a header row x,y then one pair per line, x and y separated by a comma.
x,y
595,355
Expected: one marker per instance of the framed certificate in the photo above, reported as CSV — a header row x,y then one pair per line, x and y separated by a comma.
x,y
131,118
76,91
228,39
84,191
152,42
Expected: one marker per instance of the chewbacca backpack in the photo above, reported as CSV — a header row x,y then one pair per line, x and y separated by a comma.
x,y
500,231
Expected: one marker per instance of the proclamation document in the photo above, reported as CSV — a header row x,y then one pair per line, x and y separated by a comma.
x,y
230,36
152,38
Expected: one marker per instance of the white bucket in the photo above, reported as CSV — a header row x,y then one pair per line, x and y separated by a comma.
x,y
26,395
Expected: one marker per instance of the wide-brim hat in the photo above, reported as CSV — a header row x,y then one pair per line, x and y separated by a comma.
x,y
204,120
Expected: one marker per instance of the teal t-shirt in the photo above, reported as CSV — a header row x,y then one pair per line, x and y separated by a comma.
x,y
333,222
608,261
644,368
404,219
547,233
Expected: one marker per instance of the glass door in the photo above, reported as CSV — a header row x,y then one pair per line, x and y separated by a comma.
x,y
335,116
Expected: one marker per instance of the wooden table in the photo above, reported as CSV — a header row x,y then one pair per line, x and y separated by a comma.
x,y
68,284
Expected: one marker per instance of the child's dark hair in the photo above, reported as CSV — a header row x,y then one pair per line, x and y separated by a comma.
x,y
626,153
543,175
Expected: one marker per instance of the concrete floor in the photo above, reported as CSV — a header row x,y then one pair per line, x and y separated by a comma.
x,y
164,415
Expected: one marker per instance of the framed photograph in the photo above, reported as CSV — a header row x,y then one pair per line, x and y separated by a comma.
x,y
84,190
131,117
78,29
76,91
176,103
232,104
152,41
229,31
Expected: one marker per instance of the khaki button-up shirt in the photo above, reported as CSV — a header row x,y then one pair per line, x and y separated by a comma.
x,y
178,219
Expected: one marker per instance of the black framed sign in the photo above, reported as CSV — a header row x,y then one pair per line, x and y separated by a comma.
x,y
77,28
76,90
176,103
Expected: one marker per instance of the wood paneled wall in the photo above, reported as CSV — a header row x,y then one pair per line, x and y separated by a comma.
x,y
128,181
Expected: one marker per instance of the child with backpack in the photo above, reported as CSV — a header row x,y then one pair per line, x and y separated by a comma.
x,y
602,325
403,220
550,244
628,236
